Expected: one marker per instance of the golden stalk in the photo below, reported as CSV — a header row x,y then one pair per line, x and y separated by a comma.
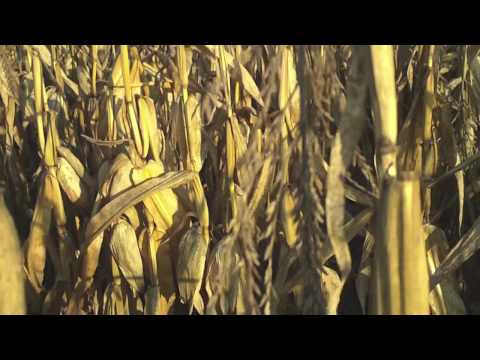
x,y
400,279
383,69
37,79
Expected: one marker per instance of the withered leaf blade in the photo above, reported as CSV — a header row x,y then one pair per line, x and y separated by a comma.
x,y
461,193
249,84
44,54
362,282
452,158
461,252
444,298
331,289
350,230
346,139
131,197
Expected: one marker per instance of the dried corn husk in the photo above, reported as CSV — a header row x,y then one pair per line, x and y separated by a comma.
x,y
194,130
156,303
289,94
144,125
115,300
71,184
121,181
190,267
35,247
147,112
289,218
124,248
163,206
223,278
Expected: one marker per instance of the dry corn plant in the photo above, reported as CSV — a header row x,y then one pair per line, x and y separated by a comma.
x,y
235,179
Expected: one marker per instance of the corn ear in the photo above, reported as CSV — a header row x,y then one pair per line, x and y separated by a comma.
x,y
35,246
194,131
289,218
147,110
124,248
75,189
190,267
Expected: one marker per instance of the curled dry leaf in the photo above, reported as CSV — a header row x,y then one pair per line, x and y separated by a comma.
x,y
347,137
461,252
249,84
444,298
131,197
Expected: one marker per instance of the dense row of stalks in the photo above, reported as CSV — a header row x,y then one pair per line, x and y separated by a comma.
x,y
221,179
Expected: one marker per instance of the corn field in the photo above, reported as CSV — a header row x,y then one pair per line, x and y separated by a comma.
x,y
235,179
